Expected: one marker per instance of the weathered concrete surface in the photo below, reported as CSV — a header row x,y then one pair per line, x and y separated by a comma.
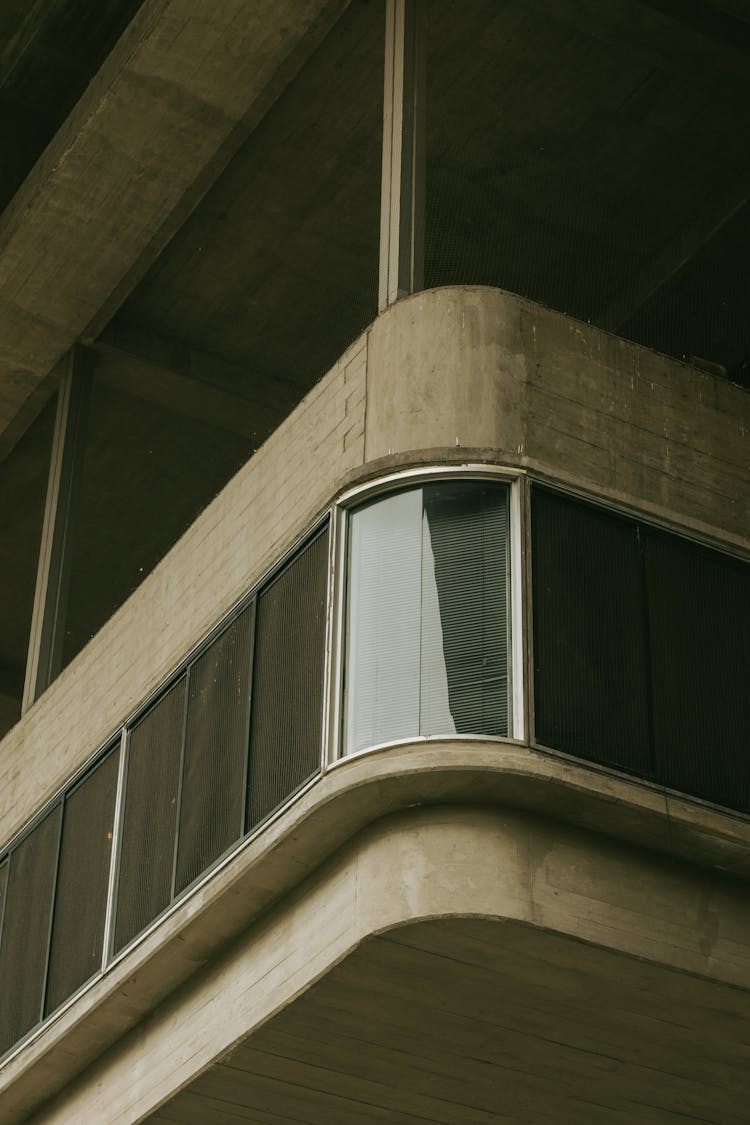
x,y
680,930
476,372
514,383
184,85
485,364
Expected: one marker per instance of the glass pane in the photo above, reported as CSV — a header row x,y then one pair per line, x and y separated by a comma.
x,y
427,617
216,739
590,678
150,817
699,613
287,704
81,894
26,929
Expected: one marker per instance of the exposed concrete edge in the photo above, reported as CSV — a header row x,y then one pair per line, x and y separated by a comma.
x,y
421,864
183,87
635,835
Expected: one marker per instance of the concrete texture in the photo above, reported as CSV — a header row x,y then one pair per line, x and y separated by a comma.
x,y
504,377
142,146
503,866
588,854
606,855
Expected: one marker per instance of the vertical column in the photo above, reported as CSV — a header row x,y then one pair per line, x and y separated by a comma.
x,y
402,193
53,573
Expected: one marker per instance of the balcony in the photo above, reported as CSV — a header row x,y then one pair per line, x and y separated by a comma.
x,y
565,483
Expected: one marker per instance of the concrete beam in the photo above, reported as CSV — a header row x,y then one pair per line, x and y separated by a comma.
x,y
671,257
183,87
183,394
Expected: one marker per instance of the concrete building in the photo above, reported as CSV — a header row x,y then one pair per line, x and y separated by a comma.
x,y
374,600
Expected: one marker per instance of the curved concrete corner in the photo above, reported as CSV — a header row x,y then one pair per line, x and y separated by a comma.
x,y
384,841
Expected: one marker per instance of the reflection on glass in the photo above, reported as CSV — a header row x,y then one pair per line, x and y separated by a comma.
x,y
427,619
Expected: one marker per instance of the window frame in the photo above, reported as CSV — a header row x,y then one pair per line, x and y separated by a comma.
x,y
400,481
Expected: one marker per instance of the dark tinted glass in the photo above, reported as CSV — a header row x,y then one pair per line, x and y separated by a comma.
x,y
150,817
213,790
468,534
3,880
427,614
81,893
26,929
590,649
287,707
699,607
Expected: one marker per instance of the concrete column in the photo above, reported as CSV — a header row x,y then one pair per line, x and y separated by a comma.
x,y
402,194
44,658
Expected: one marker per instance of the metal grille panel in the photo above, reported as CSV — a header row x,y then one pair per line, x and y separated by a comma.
x,y
699,611
26,929
150,817
216,740
81,893
590,650
287,708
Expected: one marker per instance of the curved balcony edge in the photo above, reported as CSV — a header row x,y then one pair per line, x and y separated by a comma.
x,y
562,836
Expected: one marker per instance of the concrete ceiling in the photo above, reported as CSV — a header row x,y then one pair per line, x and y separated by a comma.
x,y
205,213
472,1022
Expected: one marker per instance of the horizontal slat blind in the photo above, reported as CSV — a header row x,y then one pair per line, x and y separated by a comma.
x,y
427,637
467,525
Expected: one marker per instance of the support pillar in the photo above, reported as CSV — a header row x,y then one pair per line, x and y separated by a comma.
x,y
402,193
48,619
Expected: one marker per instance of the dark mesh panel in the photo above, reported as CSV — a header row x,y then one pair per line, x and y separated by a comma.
x,y
590,681
149,822
81,893
3,880
212,800
287,708
468,525
699,608
25,936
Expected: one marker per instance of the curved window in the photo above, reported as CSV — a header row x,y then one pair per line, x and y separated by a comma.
x,y
427,626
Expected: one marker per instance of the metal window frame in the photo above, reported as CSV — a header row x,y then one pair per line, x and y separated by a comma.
x,y
399,480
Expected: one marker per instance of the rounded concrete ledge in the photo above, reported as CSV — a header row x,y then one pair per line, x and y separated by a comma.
x,y
436,829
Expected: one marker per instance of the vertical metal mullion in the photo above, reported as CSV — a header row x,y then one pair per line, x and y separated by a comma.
x,y
180,783
403,168
517,513
44,658
341,523
52,909
114,857
328,670
525,593
248,716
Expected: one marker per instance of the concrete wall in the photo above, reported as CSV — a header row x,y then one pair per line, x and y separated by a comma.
x,y
506,867
458,374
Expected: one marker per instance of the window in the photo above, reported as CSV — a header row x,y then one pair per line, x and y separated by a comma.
x,y
427,623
